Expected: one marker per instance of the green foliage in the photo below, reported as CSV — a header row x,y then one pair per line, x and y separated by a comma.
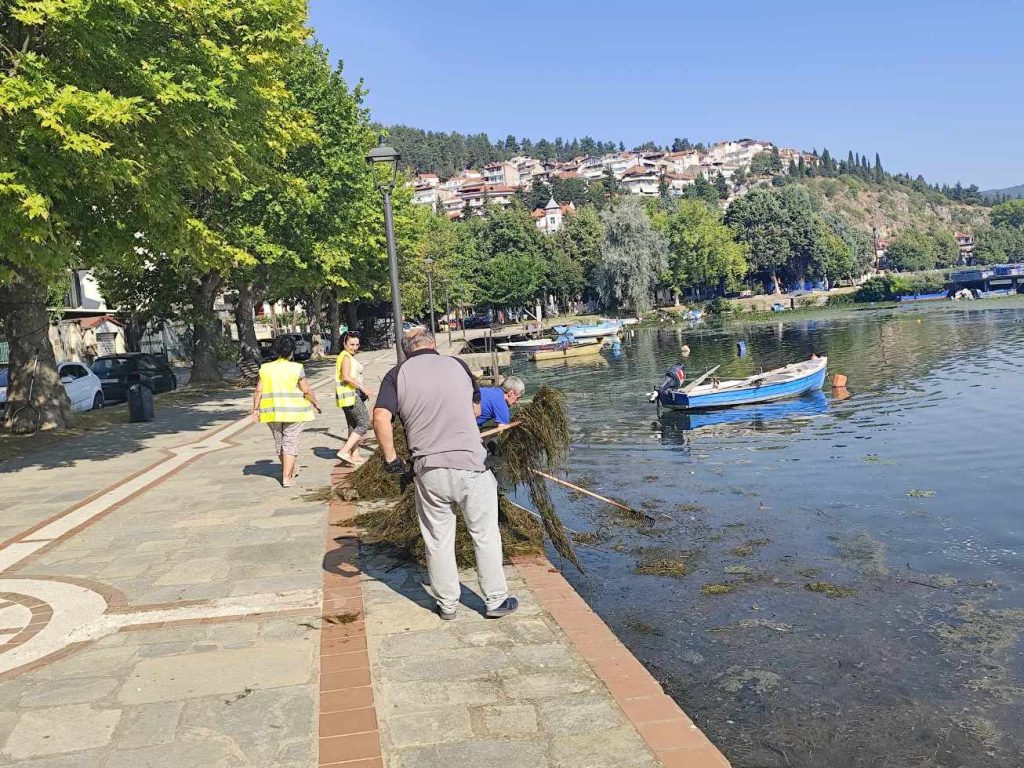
x,y
1009,215
632,256
890,287
766,163
916,250
999,245
577,247
703,250
115,114
720,306
513,258
790,238
702,189
448,153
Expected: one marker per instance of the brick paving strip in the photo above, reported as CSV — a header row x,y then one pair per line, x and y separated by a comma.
x,y
548,687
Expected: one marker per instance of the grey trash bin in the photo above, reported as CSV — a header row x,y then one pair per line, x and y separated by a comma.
x,y
140,402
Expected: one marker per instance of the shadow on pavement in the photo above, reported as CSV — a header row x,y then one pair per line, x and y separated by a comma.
x,y
107,433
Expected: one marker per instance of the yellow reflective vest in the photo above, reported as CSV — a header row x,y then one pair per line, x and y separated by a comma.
x,y
282,399
344,394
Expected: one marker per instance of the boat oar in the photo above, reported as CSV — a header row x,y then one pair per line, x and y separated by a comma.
x,y
498,429
699,380
648,519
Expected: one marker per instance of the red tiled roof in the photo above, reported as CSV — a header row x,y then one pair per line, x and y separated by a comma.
x,y
91,322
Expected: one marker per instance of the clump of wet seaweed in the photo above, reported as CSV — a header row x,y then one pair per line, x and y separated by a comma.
x,y
866,553
747,548
720,588
829,589
641,627
541,442
659,562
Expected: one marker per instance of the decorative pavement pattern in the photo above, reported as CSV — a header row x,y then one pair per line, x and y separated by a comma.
x,y
194,613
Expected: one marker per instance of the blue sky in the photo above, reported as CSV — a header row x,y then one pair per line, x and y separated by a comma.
x,y
935,87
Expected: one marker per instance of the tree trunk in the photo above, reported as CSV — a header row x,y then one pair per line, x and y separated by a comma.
x,y
776,283
249,345
35,397
205,332
351,315
334,317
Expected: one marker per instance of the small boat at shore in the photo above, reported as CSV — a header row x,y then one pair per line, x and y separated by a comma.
x,y
908,299
542,344
784,412
566,351
593,331
789,381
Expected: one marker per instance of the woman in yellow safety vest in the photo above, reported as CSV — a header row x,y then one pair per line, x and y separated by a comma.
x,y
350,394
284,401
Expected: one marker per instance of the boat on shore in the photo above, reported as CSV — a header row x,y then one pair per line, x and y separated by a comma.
x,y
940,296
789,381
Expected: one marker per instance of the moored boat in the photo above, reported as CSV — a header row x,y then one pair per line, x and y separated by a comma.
x,y
789,381
563,352
542,344
593,331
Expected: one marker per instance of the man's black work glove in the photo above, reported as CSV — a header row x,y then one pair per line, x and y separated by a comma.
x,y
396,467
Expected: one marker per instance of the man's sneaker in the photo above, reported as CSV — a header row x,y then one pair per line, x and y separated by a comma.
x,y
509,606
446,615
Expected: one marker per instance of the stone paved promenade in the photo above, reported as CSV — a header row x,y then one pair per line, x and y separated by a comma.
x,y
165,603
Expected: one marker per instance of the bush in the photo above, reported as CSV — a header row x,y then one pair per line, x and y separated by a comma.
x,y
883,288
891,287
720,306
841,300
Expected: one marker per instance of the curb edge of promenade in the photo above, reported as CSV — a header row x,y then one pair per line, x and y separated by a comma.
x,y
349,735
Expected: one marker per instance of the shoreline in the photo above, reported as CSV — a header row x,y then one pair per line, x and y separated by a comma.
x,y
389,624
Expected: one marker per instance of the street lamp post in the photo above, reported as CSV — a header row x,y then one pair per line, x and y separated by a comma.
x,y
430,290
384,157
448,309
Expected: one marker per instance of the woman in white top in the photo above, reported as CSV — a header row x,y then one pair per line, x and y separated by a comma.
x,y
350,395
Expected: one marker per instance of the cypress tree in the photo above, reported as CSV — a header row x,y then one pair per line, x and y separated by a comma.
x,y
879,173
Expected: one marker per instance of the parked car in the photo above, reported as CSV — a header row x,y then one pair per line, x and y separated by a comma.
x,y
82,385
84,388
266,349
303,345
118,372
478,321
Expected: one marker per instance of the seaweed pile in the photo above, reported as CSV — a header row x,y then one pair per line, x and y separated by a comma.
x,y
540,442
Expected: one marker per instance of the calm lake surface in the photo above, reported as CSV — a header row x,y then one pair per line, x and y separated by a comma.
x,y
903,502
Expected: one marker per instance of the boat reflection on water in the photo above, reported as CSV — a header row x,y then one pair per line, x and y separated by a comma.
x,y
778,416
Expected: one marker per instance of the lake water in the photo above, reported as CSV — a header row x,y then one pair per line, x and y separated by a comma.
x,y
904,503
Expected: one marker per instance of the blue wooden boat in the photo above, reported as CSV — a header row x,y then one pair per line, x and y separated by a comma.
x,y
790,381
760,415
594,331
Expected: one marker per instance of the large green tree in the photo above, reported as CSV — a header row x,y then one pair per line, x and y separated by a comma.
x,y
704,254
122,117
633,255
912,250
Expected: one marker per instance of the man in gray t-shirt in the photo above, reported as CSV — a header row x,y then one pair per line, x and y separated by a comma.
x,y
437,399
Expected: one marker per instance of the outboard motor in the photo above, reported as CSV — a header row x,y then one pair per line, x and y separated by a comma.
x,y
674,378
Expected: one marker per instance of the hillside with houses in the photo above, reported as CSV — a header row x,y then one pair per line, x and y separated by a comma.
x,y
640,172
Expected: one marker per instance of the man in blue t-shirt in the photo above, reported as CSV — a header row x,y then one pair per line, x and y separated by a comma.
x,y
494,401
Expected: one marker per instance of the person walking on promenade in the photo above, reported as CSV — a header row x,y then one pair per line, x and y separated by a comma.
x,y
351,395
436,396
495,401
284,401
